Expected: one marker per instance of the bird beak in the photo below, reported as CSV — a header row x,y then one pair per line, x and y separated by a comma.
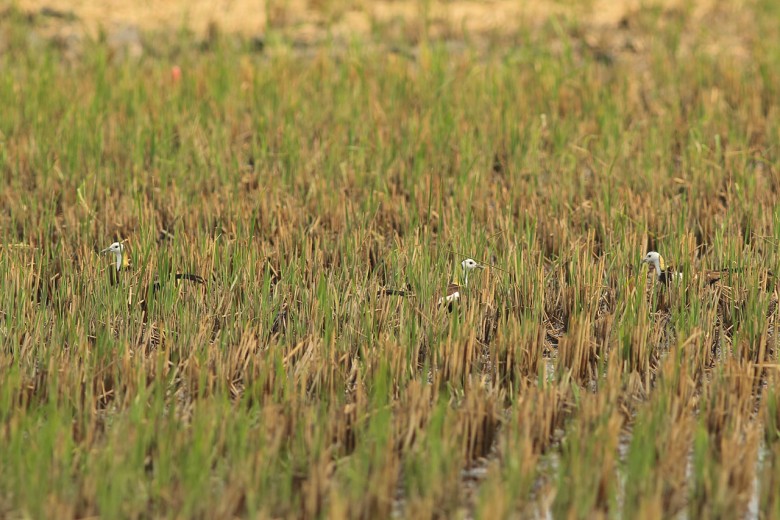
x,y
644,261
105,250
480,266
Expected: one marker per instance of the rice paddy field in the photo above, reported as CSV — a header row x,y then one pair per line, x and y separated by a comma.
x,y
306,179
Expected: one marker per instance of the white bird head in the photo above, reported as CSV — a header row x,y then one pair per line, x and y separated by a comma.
x,y
116,249
469,265
656,260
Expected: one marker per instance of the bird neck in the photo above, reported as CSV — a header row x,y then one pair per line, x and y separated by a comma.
x,y
119,259
660,266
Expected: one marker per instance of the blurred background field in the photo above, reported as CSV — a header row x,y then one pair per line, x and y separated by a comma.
x,y
724,26
303,157
253,17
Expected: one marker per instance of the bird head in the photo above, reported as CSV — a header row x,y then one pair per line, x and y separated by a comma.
x,y
469,265
116,249
656,260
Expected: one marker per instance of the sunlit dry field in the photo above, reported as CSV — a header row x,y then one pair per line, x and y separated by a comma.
x,y
303,180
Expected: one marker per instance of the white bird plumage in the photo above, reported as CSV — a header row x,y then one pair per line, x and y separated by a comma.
x,y
117,249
